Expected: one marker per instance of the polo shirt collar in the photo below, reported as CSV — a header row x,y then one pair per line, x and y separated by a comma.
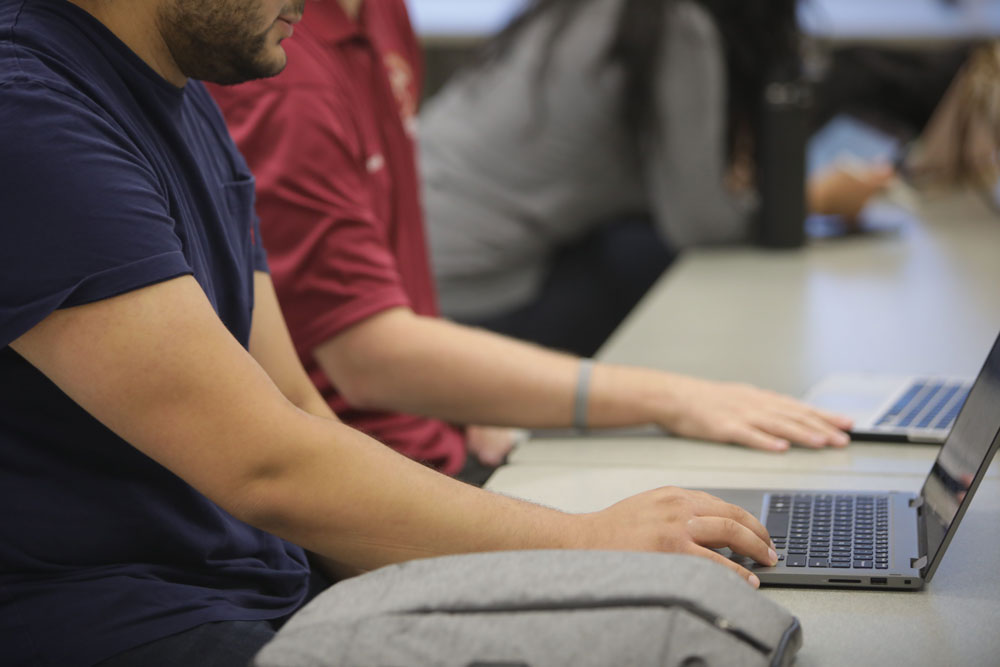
x,y
329,22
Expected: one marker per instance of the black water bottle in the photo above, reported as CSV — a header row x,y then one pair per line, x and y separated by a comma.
x,y
781,160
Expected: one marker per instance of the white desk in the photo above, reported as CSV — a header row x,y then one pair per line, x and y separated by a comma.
x,y
922,299
879,460
461,20
785,319
951,622
924,21
835,20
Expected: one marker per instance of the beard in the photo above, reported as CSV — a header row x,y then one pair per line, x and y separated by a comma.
x,y
222,41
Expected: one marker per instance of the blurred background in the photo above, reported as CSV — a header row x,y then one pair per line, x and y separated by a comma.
x,y
452,28
885,98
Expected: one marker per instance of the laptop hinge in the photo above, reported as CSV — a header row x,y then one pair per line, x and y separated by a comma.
x,y
918,563
917,502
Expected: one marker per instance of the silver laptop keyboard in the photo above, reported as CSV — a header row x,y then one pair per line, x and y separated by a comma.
x,y
926,404
823,530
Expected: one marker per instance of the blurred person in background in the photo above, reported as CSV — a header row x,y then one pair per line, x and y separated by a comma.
x,y
592,140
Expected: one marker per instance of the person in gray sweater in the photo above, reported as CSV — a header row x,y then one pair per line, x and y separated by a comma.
x,y
590,141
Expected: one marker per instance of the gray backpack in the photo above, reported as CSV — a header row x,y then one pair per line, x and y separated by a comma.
x,y
536,609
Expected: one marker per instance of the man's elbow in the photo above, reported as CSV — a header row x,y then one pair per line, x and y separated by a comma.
x,y
267,498
367,380
368,390
367,363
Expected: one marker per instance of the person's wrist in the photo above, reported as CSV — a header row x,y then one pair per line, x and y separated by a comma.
x,y
663,399
816,196
631,396
581,532
581,395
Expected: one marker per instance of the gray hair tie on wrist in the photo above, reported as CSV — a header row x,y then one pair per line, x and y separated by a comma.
x,y
582,394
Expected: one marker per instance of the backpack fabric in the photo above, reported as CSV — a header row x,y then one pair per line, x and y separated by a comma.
x,y
539,608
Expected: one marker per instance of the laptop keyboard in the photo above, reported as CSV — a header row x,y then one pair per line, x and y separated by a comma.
x,y
822,530
926,405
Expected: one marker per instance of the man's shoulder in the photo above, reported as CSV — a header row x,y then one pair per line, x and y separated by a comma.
x,y
29,100
42,79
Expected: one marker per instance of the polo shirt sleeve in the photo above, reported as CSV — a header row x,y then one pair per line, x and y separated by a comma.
x,y
685,161
83,217
324,230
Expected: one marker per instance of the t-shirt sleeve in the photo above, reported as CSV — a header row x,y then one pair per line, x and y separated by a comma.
x,y
324,231
259,254
83,216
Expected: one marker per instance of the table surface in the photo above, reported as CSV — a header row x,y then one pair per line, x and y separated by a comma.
x,y
461,18
921,296
840,20
900,20
951,622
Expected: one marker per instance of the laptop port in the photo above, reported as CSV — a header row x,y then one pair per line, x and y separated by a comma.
x,y
879,580
844,581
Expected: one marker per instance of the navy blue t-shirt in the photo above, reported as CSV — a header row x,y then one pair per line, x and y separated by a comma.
x,y
112,179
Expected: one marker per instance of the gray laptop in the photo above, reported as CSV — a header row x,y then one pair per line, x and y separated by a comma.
x,y
889,539
893,408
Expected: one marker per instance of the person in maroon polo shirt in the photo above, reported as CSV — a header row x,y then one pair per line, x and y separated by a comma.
x,y
331,143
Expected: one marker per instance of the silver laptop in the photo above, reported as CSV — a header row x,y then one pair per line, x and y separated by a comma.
x,y
889,539
894,408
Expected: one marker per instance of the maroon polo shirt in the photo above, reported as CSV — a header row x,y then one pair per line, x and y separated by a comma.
x,y
330,141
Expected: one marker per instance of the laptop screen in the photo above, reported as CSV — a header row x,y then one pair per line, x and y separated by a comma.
x,y
963,460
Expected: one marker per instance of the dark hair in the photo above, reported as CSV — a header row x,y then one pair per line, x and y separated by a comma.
x,y
758,36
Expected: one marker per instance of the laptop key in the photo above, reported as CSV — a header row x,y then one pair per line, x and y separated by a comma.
x,y
818,562
796,560
863,564
777,524
903,401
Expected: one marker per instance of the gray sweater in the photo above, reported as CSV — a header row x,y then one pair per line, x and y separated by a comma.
x,y
502,188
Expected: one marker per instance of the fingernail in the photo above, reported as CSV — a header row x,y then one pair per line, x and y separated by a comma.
x,y
773,556
754,581
843,439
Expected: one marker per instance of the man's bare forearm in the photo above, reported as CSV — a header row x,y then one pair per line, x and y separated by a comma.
x,y
359,503
271,345
403,362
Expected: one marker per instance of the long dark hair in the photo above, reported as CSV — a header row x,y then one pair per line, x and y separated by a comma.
x,y
759,36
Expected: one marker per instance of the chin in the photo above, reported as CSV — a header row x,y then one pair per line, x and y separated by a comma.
x,y
262,68
277,61
269,62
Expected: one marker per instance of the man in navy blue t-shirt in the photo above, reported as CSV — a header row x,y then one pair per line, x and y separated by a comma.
x,y
159,440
